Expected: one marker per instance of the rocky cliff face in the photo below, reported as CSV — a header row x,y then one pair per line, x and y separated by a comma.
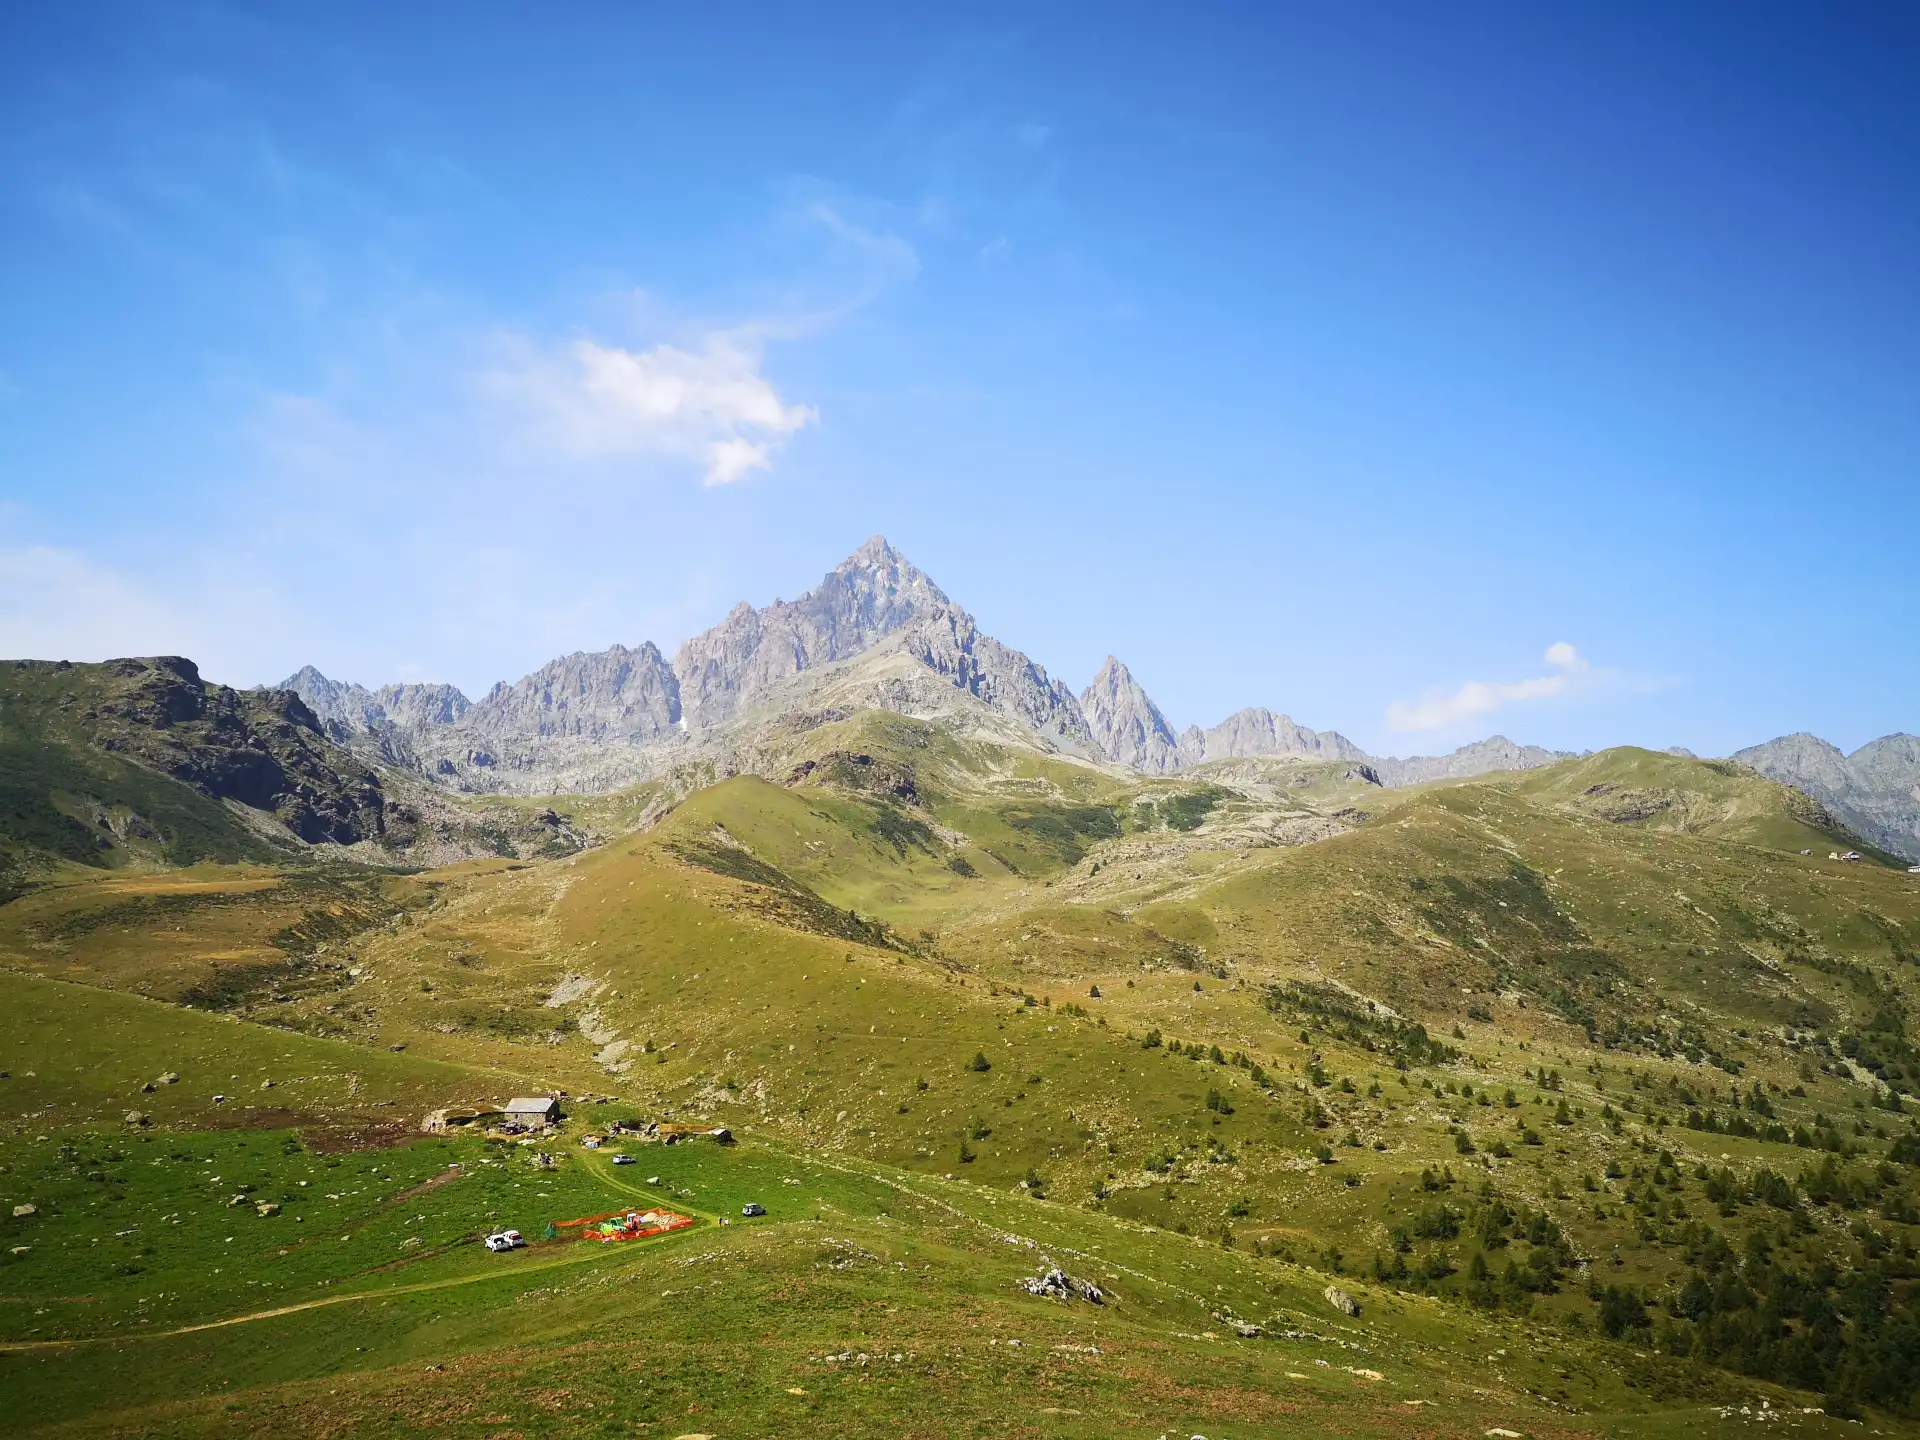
x,y
1875,790
604,719
873,593
262,748
1247,734
617,696
948,643
1127,725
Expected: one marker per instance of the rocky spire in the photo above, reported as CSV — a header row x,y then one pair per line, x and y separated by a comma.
x,y
1127,724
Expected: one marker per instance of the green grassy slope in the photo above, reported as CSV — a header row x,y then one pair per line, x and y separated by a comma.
x,y
1612,1088
865,1303
1716,798
78,1055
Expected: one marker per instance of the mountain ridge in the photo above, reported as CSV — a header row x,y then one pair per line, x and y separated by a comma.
x,y
879,632
1875,790
600,719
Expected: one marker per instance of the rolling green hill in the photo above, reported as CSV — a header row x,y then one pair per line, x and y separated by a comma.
x,y
1587,1086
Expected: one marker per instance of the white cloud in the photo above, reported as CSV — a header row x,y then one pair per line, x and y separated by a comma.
x,y
710,403
1439,709
730,460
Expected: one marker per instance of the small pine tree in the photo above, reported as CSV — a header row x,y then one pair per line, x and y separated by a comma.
x,y
980,1064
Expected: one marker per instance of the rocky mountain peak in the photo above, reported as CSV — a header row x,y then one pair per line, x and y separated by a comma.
x,y
599,719
873,593
1875,790
1258,731
876,554
1125,722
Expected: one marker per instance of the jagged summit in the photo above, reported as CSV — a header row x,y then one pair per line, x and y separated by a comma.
x,y
873,593
1131,730
875,633
597,719
1127,724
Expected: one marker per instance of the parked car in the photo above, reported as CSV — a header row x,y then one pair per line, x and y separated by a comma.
x,y
623,1160
505,1240
753,1207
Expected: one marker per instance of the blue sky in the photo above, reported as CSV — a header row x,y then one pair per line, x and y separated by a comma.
x,y
1420,371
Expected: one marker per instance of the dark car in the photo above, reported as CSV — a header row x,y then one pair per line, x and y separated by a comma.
x,y
753,1207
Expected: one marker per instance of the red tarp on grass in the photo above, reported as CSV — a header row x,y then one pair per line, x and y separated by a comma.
x,y
617,1225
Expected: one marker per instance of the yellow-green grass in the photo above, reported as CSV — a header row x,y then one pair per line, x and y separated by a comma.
x,y
669,970
80,1055
203,935
739,1329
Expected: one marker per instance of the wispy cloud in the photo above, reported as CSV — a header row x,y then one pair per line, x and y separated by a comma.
x,y
710,403
891,257
1439,709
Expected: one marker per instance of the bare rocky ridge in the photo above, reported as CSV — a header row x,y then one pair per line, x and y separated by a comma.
x,y
1247,734
1875,790
615,695
876,632
262,749
1482,757
1132,731
871,594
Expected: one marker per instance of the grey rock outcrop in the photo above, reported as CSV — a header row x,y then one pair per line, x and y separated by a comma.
x,y
876,631
1248,734
1483,757
873,593
1875,791
1126,724
1341,1301
615,695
